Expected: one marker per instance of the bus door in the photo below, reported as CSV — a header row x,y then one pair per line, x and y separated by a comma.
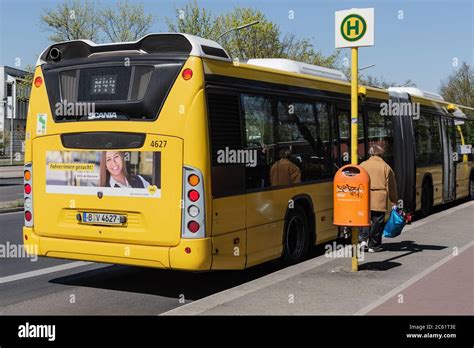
x,y
449,159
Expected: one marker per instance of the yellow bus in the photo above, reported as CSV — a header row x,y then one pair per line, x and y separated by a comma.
x,y
166,153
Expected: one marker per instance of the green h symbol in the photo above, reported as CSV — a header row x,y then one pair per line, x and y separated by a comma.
x,y
353,27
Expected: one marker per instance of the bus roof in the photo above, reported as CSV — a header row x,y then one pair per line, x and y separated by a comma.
x,y
167,43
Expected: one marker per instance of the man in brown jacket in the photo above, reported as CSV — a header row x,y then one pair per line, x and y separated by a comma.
x,y
383,188
284,172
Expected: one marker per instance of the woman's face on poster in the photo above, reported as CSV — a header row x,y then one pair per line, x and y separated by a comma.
x,y
113,162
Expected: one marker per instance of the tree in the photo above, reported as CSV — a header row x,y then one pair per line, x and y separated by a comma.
x,y
75,19
459,86
72,20
264,40
380,82
125,22
193,20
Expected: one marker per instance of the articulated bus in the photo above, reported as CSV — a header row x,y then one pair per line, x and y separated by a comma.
x,y
161,153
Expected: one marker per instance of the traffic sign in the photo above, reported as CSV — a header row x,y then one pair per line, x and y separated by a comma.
x,y
355,27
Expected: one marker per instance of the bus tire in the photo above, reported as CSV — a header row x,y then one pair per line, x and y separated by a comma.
x,y
296,237
426,199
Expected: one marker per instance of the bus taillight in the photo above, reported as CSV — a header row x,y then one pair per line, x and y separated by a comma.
x,y
28,194
193,195
193,225
38,81
187,74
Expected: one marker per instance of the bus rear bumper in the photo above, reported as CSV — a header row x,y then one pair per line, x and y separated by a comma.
x,y
190,254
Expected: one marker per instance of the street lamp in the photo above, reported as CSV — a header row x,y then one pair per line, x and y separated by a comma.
x,y
237,28
367,67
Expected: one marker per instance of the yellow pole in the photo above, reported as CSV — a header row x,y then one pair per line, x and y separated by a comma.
x,y
354,140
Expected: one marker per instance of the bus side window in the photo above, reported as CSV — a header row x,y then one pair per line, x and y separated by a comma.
x,y
344,118
259,142
304,131
428,141
380,132
470,137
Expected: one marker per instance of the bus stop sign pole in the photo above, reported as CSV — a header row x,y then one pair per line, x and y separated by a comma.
x,y
354,28
354,140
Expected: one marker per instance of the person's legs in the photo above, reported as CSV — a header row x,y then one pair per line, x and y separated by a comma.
x,y
378,223
364,234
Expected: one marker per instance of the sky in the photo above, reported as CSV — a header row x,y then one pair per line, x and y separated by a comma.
x,y
419,40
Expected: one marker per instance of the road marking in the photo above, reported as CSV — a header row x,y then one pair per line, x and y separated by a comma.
x,y
206,303
43,271
410,281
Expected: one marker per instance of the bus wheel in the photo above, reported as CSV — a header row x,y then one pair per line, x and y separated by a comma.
x,y
296,238
426,199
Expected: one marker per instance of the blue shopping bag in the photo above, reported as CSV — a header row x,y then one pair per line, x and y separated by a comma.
x,y
394,225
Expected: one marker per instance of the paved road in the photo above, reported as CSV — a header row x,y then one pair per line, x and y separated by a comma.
x,y
11,189
104,289
11,172
92,288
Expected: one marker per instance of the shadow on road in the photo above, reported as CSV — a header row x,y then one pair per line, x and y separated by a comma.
x,y
168,283
409,246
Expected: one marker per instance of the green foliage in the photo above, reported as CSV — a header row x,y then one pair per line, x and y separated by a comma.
x,y
193,20
459,86
71,20
24,85
380,82
75,19
263,40
125,22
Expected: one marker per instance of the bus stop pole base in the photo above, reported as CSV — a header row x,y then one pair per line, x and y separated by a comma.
x,y
355,240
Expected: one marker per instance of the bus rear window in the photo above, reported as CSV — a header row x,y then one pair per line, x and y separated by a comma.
x,y
96,92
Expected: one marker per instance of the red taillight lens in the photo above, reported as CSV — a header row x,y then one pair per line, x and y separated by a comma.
x,y
187,74
27,189
193,195
28,216
188,250
193,226
38,81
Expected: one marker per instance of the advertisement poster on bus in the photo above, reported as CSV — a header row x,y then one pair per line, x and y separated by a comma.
x,y
104,173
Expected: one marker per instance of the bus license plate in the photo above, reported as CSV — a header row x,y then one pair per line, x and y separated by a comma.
x,y
101,218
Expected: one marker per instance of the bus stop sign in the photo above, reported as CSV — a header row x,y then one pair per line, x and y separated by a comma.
x,y
355,28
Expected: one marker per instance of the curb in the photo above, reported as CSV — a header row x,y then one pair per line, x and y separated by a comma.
x,y
11,210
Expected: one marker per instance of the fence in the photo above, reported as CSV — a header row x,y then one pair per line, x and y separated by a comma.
x,y
18,148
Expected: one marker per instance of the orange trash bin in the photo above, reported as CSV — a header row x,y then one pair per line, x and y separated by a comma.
x,y
352,196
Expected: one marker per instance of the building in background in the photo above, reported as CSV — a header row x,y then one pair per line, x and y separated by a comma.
x,y
14,97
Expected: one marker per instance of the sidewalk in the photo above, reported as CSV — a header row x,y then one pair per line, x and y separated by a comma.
x,y
417,273
9,172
